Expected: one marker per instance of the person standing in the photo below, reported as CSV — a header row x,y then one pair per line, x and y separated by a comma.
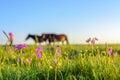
x,y
11,38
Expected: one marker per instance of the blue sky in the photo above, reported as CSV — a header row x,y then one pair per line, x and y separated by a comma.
x,y
78,19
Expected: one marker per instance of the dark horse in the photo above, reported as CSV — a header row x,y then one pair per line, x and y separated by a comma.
x,y
55,38
36,38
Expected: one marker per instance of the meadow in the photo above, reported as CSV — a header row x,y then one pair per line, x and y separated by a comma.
x,y
63,62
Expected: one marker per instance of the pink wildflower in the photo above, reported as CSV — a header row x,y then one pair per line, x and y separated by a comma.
x,y
39,49
20,46
88,40
58,54
29,61
58,50
96,39
18,60
92,40
39,55
110,51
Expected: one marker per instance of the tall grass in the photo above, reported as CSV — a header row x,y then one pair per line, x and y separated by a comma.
x,y
76,62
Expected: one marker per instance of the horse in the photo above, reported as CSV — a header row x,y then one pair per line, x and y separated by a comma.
x,y
36,38
55,37
49,37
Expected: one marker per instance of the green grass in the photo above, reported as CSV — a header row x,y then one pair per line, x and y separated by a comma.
x,y
76,62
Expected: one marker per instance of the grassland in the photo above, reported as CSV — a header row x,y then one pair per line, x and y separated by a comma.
x,y
64,62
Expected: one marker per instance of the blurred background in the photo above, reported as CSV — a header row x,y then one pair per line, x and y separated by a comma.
x,y
78,19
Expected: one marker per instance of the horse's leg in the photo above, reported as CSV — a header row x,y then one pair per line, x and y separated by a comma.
x,y
62,42
49,42
54,42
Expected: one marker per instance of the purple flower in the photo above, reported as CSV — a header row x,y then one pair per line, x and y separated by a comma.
x,y
58,54
29,61
96,39
15,47
39,55
18,60
88,40
20,46
24,45
58,51
39,49
92,41
110,51
57,48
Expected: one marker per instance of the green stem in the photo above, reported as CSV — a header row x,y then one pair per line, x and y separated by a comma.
x,y
48,75
92,48
106,48
55,73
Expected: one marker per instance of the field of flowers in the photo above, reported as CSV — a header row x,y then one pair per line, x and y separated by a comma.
x,y
63,62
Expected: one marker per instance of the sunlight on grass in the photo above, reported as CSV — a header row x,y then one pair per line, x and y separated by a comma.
x,y
64,62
